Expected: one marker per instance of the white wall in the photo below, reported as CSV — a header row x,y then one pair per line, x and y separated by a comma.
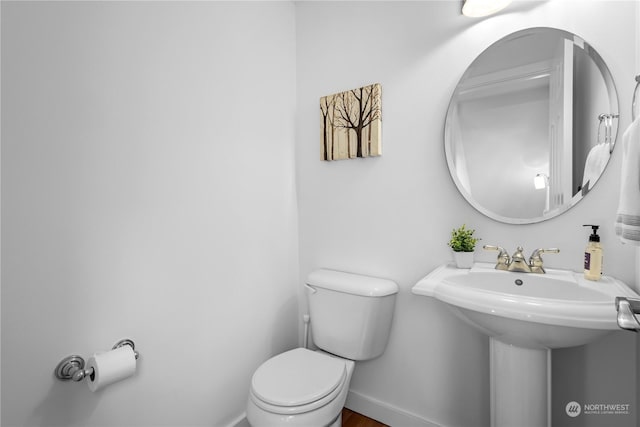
x,y
391,216
637,72
637,260
148,191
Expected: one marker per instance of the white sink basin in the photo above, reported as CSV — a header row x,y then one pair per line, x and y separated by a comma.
x,y
553,310
525,316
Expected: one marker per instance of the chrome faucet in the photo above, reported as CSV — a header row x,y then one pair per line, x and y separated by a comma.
x,y
517,261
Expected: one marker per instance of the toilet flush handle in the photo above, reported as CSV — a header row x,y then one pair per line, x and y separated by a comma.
x,y
311,288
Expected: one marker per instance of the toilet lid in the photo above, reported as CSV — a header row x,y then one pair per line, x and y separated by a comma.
x,y
297,377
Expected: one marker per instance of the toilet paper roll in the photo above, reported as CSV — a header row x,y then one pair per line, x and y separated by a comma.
x,y
110,367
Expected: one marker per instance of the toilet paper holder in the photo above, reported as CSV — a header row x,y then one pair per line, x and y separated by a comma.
x,y
72,367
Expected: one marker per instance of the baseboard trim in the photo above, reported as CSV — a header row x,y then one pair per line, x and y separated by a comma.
x,y
384,412
241,421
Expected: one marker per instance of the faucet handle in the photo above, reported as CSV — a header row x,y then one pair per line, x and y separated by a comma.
x,y
535,260
536,254
503,257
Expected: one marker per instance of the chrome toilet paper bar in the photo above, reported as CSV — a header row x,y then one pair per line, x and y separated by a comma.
x,y
72,367
627,309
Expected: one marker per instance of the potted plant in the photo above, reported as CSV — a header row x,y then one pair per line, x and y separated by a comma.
x,y
463,245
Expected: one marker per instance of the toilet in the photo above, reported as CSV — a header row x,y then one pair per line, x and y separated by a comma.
x,y
350,320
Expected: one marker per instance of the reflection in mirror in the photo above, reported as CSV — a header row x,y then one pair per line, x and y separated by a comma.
x,y
531,125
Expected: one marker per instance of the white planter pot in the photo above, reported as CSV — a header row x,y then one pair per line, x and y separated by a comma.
x,y
463,259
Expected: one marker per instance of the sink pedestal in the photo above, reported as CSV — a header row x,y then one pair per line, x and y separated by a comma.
x,y
520,385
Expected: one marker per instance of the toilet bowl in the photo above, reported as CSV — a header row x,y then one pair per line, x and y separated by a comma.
x,y
299,388
350,320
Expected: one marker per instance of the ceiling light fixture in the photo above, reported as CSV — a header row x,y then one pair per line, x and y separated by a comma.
x,y
479,8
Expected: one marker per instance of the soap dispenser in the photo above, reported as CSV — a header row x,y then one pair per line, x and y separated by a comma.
x,y
593,255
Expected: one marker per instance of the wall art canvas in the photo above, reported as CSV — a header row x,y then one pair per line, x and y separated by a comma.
x,y
350,124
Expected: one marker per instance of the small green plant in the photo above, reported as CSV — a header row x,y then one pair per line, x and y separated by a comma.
x,y
462,239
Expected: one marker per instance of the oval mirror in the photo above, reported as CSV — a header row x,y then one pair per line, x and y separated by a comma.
x,y
531,125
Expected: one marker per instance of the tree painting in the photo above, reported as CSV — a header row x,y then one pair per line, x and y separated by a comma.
x,y
350,124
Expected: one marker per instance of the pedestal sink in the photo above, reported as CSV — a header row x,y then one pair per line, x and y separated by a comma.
x,y
525,316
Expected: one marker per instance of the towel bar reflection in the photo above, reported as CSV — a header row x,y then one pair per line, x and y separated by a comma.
x,y
72,367
607,121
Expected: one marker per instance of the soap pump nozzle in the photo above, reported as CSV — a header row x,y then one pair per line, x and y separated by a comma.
x,y
594,236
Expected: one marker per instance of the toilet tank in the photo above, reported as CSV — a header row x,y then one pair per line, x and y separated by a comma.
x,y
350,313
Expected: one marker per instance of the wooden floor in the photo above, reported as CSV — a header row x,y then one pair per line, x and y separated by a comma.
x,y
353,419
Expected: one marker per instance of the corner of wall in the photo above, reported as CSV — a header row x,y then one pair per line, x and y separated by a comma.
x,y
387,413
241,421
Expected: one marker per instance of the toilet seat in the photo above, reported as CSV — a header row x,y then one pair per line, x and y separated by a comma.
x,y
297,381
